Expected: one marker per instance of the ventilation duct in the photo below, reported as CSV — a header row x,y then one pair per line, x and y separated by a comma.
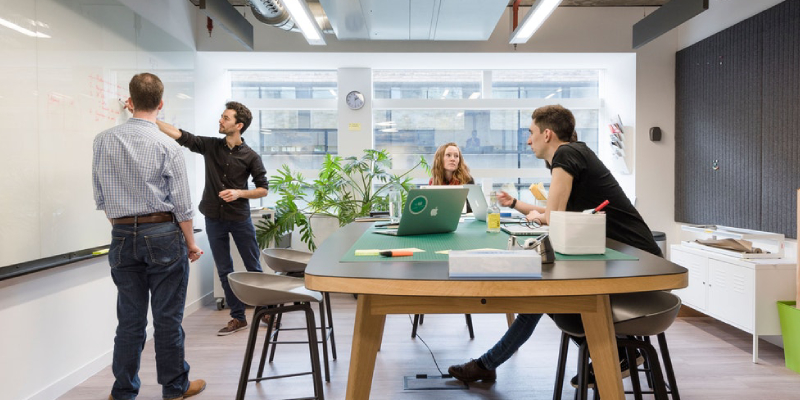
x,y
272,12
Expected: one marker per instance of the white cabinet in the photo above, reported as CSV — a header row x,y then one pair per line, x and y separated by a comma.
x,y
742,293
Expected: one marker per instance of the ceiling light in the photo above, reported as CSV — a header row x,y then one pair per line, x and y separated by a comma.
x,y
474,95
445,93
536,16
265,131
461,114
333,92
389,130
183,96
302,16
11,25
387,123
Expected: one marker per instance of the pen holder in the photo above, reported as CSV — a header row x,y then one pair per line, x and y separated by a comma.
x,y
578,233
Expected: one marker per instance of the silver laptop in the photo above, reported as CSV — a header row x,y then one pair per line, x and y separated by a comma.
x,y
432,210
477,201
525,229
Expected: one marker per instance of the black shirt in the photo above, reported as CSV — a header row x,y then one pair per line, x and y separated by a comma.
x,y
226,169
592,183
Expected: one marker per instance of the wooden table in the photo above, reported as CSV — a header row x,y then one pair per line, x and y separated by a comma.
x,y
397,287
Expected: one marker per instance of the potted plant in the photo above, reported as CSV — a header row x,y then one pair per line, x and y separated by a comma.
x,y
789,315
345,188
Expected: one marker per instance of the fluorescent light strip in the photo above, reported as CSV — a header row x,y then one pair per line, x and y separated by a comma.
x,y
302,16
11,25
536,16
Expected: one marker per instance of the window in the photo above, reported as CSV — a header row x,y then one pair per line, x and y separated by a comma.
x,y
283,84
426,84
492,133
294,117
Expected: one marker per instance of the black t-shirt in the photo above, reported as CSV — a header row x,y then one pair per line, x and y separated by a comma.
x,y
592,183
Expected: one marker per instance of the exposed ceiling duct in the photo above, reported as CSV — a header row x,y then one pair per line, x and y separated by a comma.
x,y
272,12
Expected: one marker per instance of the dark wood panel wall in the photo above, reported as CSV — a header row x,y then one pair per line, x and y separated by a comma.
x,y
737,124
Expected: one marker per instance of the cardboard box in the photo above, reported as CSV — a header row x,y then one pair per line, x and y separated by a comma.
x,y
495,264
578,233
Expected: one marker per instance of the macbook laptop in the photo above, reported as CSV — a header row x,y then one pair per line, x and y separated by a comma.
x,y
432,210
477,200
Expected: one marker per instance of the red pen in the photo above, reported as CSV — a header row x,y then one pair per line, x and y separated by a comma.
x,y
397,253
596,209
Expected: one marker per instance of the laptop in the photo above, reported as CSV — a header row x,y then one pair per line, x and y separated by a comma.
x,y
432,210
525,230
477,201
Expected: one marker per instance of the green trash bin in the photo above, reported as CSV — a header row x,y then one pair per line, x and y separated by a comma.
x,y
790,329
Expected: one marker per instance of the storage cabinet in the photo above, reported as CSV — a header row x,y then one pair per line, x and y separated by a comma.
x,y
742,293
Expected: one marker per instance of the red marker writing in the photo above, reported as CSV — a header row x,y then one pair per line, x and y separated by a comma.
x,y
397,253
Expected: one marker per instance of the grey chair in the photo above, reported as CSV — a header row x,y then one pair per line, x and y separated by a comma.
x,y
636,317
293,263
268,293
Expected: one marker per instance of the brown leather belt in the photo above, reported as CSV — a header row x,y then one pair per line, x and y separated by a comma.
x,y
144,219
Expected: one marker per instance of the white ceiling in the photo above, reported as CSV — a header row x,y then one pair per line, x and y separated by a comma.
x,y
413,19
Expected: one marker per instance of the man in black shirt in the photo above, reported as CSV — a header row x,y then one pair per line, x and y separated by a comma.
x,y
225,203
579,181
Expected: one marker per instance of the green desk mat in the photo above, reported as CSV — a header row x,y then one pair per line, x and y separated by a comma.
x,y
469,235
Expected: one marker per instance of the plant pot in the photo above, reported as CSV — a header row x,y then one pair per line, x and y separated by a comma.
x,y
322,226
790,329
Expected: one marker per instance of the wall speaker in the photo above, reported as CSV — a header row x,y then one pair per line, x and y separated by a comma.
x,y
655,134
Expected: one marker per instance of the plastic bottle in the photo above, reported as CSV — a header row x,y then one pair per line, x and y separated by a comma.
x,y
395,203
493,214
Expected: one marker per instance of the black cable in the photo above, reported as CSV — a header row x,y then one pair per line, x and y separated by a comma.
x,y
429,349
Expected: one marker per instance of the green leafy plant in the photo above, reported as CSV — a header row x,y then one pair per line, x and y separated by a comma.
x,y
345,188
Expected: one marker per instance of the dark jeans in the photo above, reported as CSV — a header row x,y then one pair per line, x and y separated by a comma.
x,y
517,334
244,235
149,262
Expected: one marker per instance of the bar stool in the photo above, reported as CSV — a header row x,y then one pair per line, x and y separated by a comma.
x,y
268,293
293,263
636,316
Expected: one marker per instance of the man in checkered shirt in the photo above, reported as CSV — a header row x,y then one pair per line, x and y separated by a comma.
x,y
139,180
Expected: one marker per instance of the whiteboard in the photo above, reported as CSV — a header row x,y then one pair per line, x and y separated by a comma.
x,y
56,94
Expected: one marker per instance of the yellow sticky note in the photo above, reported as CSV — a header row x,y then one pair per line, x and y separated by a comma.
x,y
368,252
353,126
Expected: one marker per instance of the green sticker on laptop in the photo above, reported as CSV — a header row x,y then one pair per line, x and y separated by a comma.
x,y
418,204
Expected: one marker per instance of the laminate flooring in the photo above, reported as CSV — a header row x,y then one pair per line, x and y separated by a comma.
x,y
712,360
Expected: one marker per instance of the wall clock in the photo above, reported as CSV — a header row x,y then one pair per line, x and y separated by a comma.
x,y
354,100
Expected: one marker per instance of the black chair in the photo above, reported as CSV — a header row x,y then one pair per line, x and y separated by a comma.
x,y
268,293
293,263
636,316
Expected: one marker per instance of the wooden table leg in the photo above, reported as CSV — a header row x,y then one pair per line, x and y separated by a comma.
x,y
366,342
599,329
510,318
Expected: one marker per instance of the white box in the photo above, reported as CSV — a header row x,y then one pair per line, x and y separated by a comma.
x,y
578,233
495,264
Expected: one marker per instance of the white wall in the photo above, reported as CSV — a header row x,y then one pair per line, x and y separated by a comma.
x,y
58,325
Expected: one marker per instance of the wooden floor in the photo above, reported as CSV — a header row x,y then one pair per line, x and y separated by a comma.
x,y
712,361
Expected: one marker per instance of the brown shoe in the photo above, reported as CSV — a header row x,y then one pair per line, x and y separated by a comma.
x,y
234,325
471,372
265,319
196,386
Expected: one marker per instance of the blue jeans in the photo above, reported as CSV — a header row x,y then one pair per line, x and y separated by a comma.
x,y
517,334
149,262
244,235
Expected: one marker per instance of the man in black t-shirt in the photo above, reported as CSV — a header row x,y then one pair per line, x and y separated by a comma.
x,y
579,181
